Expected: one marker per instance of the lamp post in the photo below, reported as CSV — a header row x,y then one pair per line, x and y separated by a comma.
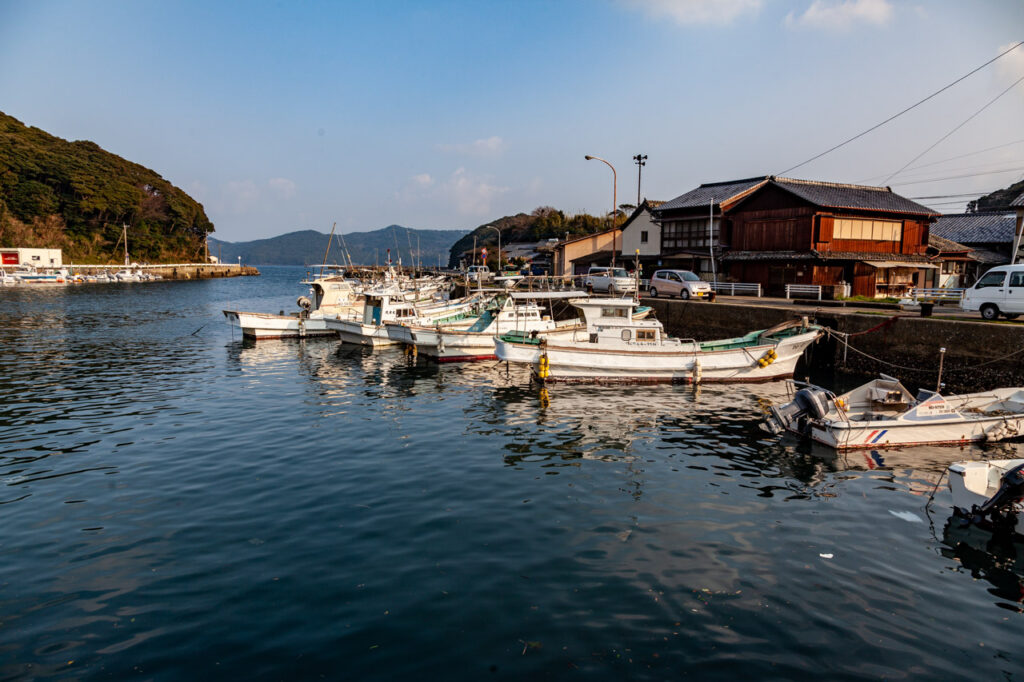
x,y
239,263
615,197
498,230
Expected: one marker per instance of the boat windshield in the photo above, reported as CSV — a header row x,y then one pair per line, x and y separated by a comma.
x,y
690,277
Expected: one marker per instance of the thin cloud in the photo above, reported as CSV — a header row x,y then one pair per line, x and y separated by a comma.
x,y
696,12
282,187
1010,67
842,16
490,146
471,195
422,180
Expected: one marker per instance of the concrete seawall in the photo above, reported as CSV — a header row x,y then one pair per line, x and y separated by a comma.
x,y
979,355
176,270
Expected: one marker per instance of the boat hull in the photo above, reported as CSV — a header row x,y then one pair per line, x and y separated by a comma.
x,y
354,331
573,361
269,326
973,483
894,433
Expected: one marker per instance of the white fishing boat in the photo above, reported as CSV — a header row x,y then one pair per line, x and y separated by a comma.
x,y
616,347
369,328
517,312
882,413
330,294
989,493
6,279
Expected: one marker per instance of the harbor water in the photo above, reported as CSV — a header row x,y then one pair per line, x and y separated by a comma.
x,y
176,503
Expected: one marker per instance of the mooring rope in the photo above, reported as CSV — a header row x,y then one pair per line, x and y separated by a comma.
x,y
843,338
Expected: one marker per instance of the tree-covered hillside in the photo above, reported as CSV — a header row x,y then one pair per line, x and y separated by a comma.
x,y
75,196
308,247
998,200
544,222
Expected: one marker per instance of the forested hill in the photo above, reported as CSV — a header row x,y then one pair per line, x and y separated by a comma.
x,y
307,247
75,196
997,201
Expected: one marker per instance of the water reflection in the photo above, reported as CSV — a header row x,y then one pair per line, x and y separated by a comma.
x,y
997,558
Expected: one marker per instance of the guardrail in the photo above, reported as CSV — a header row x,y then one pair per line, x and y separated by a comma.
x,y
732,288
938,295
813,289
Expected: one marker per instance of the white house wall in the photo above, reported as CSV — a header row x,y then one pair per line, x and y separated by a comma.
x,y
631,237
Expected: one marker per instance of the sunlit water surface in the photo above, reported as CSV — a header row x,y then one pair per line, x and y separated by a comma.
x,y
175,504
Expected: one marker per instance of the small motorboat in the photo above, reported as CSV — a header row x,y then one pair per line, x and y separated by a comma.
x,y
882,413
989,493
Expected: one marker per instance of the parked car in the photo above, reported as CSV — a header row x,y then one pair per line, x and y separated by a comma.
x,y
480,272
611,280
1000,291
681,283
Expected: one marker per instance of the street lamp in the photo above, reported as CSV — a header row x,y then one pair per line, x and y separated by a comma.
x,y
498,230
239,263
615,197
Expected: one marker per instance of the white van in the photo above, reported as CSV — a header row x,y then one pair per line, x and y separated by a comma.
x,y
1000,291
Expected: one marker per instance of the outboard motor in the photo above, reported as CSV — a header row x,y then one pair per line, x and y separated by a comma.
x,y
813,402
1001,504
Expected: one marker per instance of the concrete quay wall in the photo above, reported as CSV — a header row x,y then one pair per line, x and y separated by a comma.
x,y
979,355
175,270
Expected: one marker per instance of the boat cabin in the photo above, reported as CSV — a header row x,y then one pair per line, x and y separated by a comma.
x,y
611,320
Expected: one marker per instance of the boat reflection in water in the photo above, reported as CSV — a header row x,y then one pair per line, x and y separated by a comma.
x,y
994,557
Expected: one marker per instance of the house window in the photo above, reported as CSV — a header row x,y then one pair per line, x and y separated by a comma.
x,y
687,234
952,267
643,236
873,230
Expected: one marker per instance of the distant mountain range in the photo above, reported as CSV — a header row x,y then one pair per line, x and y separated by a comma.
x,y
307,247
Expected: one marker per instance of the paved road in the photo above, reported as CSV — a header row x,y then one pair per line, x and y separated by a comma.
x,y
942,311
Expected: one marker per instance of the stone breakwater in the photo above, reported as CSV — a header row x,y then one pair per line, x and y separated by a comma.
x,y
175,270
979,355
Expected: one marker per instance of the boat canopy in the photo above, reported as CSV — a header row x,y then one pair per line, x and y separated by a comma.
x,y
544,295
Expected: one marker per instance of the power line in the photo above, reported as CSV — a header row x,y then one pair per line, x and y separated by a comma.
x,y
937,142
894,116
950,196
875,178
956,177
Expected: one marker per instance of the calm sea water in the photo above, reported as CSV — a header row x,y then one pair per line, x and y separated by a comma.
x,y
177,504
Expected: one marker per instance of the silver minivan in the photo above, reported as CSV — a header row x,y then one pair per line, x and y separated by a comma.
x,y
681,283
1000,291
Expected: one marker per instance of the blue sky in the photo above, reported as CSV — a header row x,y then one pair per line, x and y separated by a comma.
x,y
280,116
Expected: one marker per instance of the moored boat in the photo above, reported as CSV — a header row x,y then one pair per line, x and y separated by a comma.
x,y
517,312
370,327
883,413
989,493
331,295
615,347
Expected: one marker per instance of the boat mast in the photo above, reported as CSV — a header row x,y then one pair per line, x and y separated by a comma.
x,y
124,233
329,240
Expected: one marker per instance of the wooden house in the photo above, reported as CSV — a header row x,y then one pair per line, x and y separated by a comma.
x,y
691,224
785,231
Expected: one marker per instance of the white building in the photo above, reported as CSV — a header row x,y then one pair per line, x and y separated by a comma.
x,y
37,258
639,233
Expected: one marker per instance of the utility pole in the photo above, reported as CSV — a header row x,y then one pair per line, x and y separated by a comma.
x,y
640,160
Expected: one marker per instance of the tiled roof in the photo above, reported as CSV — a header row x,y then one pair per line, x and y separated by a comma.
x,y
824,194
989,257
872,256
1019,201
712,191
977,228
943,245
768,255
823,256
836,195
